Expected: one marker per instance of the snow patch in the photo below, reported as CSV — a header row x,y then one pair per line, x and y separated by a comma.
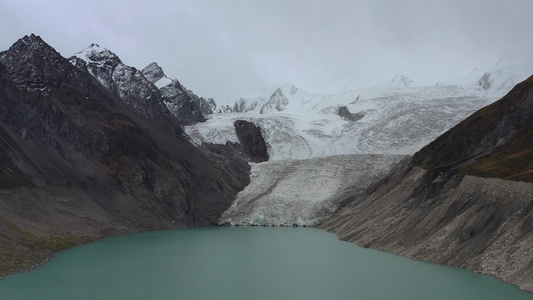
x,y
164,81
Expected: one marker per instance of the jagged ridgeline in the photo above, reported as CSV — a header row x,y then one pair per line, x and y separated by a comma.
x,y
150,86
89,149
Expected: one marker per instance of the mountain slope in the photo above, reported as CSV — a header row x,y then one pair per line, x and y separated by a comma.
x,y
500,134
125,81
80,163
437,207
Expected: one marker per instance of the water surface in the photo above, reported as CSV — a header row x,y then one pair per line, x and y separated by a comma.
x,y
244,263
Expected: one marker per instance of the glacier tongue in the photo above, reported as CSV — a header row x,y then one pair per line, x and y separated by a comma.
x,y
302,192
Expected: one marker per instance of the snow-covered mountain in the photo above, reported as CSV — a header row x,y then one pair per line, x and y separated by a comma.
x,y
359,133
126,81
149,92
495,81
243,106
388,120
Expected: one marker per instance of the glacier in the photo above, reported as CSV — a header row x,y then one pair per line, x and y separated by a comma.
x,y
319,158
302,192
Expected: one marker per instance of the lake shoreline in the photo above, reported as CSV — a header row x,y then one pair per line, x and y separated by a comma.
x,y
50,256
243,262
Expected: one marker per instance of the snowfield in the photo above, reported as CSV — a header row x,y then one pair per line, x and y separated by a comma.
x,y
318,158
393,121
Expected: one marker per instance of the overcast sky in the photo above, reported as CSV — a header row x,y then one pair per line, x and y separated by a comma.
x,y
228,49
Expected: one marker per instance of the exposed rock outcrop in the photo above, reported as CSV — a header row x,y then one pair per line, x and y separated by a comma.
x,y
252,141
345,113
187,107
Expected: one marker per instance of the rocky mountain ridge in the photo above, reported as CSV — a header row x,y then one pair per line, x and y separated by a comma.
x,y
140,91
186,106
465,199
85,157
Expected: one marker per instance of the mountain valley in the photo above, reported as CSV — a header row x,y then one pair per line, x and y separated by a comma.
x,y
91,148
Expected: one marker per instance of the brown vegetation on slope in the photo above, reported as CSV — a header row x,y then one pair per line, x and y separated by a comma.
x,y
496,141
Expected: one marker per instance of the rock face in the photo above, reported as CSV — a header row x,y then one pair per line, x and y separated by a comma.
x,y
494,142
252,141
84,157
149,92
125,81
187,107
345,113
453,203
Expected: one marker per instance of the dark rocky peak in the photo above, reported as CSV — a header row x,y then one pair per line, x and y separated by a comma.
x,y
33,65
149,92
49,102
78,164
72,131
183,104
206,106
28,42
187,107
153,72
127,82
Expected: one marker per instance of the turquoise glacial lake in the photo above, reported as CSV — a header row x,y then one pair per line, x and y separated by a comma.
x,y
244,263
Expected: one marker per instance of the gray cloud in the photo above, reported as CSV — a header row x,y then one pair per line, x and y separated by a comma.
x,y
232,48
